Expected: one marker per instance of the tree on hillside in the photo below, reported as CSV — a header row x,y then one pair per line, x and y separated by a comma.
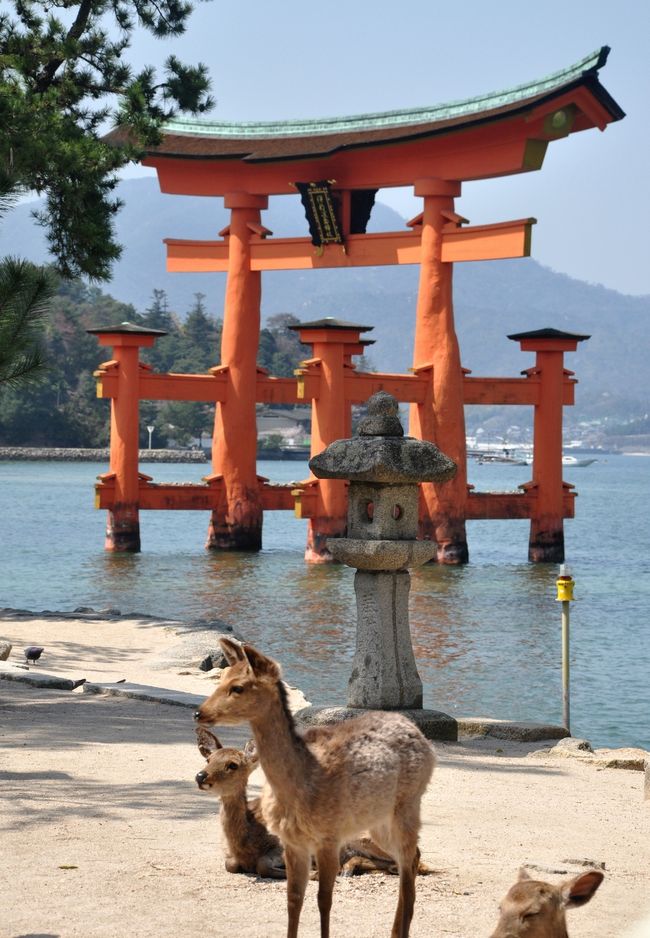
x,y
184,420
280,347
200,346
163,354
63,82
158,316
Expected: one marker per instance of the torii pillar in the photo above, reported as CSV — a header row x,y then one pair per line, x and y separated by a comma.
x,y
333,343
123,523
546,543
442,507
237,525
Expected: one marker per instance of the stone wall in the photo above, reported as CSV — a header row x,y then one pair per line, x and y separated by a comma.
x,y
74,454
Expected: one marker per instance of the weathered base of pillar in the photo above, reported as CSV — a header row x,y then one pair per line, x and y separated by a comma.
x,y
316,550
450,537
384,674
223,536
433,723
546,545
452,553
123,530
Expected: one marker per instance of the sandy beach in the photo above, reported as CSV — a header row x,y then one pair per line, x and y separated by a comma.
x,y
104,832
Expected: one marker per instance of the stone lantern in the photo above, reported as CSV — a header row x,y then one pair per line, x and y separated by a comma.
x,y
384,468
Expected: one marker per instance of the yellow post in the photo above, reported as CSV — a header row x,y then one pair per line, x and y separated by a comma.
x,y
565,585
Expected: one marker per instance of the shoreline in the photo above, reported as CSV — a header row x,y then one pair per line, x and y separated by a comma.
x,y
162,654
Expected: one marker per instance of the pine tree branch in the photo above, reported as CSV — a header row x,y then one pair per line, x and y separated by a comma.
x,y
74,33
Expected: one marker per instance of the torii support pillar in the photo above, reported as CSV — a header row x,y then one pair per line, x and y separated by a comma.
x,y
546,543
123,523
442,419
238,524
333,343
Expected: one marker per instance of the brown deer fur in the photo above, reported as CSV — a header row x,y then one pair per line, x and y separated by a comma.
x,y
534,909
328,784
251,848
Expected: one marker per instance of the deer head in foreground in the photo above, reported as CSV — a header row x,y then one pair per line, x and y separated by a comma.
x,y
330,783
251,848
534,909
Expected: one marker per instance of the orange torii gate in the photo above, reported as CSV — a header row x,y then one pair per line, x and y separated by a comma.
x,y
340,164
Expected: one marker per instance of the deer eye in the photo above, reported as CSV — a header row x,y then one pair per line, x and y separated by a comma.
x,y
236,689
232,766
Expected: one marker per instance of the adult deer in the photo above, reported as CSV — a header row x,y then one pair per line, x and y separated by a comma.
x,y
251,847
328,784
534,909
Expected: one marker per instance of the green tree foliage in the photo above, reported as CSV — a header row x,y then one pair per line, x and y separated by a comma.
x,y
280,349
24,294
164,352
63,409
200,345
184,421
64,82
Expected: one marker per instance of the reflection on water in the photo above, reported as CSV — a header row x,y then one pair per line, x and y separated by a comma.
x,y
486,636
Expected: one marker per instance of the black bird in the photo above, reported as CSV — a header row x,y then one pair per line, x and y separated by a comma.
x,y
33,653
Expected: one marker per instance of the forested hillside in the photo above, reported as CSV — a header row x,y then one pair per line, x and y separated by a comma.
x,y
62,409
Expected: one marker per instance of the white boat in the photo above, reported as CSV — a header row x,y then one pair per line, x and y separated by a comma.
x,y
576,461
573,461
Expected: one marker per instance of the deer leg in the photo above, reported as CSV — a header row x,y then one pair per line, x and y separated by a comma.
x,y
297,861
327,859
405,838
232,865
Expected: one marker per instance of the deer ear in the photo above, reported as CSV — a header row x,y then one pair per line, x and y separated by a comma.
x,y
207,742
232,650
260,664
580,889
251,754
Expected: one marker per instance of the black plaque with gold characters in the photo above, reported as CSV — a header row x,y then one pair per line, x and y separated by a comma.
x,y
320,211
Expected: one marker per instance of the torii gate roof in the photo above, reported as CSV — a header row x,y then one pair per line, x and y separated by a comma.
x,y
285,140
489,135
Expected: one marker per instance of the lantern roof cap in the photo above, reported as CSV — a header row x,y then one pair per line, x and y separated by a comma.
x,y
381,452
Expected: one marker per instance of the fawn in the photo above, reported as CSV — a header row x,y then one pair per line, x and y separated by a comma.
x,y
328,784
251,848
535,909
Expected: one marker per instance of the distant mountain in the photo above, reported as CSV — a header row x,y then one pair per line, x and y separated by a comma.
x,y
492,299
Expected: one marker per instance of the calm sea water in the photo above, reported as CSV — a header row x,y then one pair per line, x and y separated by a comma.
x,y
486,636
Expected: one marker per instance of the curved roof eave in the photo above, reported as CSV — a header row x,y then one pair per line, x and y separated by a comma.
x,y
291,140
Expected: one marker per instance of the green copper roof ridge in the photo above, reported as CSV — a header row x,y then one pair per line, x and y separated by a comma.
x,y
327,125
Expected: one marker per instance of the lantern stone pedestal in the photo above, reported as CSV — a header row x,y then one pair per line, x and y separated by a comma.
x,y
384,469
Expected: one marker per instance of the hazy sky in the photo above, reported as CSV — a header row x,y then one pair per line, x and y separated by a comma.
x,y
289,59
